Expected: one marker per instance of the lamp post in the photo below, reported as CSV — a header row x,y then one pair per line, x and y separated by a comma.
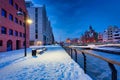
x,y
26,20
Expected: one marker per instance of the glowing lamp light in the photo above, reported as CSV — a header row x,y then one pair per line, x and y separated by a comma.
x,y
29,21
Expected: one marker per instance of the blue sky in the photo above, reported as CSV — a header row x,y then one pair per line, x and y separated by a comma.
x,y
70,18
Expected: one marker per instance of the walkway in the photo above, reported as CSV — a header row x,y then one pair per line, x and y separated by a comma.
x,y
53,64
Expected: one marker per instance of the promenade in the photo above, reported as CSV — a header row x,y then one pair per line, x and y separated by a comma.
x,y
53,64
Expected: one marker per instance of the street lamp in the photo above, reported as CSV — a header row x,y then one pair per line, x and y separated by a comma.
x,y
26,20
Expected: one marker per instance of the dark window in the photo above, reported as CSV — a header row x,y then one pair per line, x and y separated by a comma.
x,y
3,30
20,22
36,36
23,35
20,34
11,17
1,42
10,32
16,6
23,24
117,38
36,23
4,13
16,20
116,35
16,33
11,2
20,10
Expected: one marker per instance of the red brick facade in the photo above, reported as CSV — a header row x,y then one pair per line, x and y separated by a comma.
x,y
8,41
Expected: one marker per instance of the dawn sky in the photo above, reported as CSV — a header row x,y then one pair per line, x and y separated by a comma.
x,y
70,18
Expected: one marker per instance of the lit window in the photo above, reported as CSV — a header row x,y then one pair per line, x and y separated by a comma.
x,y
3,30
1,42
10,32
11,17
4,13
11,2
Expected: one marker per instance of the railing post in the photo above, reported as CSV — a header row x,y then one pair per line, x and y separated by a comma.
x,y
114,71
84,61
75,55
71,52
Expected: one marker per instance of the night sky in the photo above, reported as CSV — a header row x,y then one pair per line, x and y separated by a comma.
x,y
71,18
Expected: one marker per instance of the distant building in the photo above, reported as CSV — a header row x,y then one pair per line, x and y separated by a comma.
x,y
40,30
89,36
12,26
112,34
100,37
105,36
116,35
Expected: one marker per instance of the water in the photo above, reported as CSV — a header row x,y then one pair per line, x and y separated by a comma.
x,y
97,68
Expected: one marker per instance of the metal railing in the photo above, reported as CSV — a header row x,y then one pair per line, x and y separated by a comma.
x,y
111,63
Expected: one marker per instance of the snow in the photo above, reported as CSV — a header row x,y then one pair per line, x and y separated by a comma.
x,y
53,64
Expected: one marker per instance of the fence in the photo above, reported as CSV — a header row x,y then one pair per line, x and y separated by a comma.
x,y
111,63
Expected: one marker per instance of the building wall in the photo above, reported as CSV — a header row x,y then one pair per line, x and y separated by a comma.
x,y
8,24
112,34
41,24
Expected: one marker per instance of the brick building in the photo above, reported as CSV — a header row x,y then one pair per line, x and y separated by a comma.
x,y
12,34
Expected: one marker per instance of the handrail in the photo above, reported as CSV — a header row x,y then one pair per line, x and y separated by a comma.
x,y
100,57
83,52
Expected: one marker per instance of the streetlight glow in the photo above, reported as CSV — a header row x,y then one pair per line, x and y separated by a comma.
x,y
29,21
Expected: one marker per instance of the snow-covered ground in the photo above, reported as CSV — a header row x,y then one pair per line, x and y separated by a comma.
x,y
53,64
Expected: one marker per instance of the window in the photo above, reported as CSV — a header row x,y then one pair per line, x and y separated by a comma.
x,y
4,13
10,32
16,20
11,17
11,2
16,33
23,24
116,35
20,22
36,36
23,35
20,34
3,30
1,42
20,10
16,6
